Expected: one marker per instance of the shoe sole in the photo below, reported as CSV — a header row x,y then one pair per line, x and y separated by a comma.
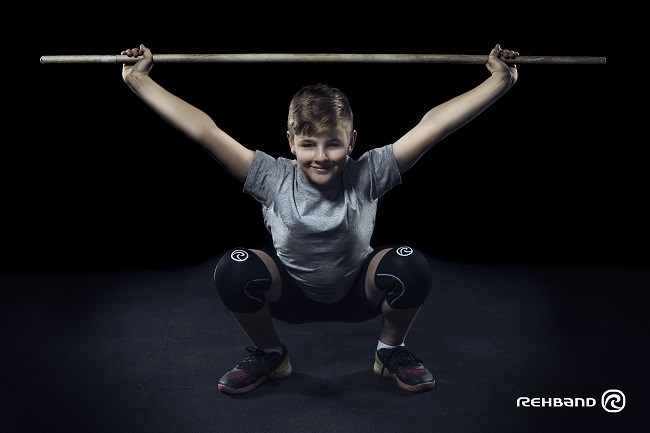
x,y
280,372
411,388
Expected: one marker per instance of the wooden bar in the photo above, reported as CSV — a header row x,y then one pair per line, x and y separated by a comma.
x,y
325,58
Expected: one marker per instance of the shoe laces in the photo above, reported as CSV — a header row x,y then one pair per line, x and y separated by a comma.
x,y
257,357
403,357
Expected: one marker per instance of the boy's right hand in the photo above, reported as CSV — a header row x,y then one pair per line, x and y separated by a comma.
x,y
495,63
142,66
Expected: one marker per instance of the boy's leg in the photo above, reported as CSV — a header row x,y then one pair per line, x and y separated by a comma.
x,y
396,322
259,325
398,282
247,281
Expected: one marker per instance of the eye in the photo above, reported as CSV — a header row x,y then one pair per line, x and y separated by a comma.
x,y
307,144
334,144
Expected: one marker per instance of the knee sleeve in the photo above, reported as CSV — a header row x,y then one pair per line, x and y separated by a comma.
x,y
405,275
241,278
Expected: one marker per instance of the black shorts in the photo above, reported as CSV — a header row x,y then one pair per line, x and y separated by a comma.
x,y
295,307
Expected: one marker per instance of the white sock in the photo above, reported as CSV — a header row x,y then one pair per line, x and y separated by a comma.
x,y
381,345
273,349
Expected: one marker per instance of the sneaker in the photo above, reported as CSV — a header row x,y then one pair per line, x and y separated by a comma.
x,y
258,367
405,367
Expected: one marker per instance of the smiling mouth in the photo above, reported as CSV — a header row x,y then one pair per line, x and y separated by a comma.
x,y
321,169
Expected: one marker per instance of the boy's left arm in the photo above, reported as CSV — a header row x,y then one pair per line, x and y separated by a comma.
x,y
449,116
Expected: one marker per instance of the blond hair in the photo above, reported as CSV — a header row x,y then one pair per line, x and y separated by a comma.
x,y
317,107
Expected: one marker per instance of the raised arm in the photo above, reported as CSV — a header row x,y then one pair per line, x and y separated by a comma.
x,y
189,120
449,116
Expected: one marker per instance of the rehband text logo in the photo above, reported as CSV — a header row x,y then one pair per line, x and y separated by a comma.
x,y
556,402
612,400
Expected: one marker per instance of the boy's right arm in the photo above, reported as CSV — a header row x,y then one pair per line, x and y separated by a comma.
x,y
189,120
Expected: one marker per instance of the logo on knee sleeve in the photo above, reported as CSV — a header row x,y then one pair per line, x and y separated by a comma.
x,y
404,251
239,255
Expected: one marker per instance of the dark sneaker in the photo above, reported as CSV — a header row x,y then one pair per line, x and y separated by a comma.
x,y
405,367
258,367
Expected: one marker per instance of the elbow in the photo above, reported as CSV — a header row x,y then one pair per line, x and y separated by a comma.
x,y
205,133
201,135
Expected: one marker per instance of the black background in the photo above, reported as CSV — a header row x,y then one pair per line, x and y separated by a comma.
x,y
552,173
91,177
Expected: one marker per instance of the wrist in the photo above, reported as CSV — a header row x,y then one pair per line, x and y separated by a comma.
x,y
134,79
502,79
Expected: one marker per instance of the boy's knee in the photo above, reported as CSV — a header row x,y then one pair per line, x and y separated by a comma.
x,y
241,278
405,275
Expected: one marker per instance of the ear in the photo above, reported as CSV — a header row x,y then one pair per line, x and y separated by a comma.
x,y
353,141
291,146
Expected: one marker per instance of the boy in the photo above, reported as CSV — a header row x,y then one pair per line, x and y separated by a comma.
x,y
320,210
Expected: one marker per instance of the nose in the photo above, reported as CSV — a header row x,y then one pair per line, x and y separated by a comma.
x,y
321,156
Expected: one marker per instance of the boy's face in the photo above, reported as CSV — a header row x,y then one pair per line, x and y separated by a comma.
x,y
322,157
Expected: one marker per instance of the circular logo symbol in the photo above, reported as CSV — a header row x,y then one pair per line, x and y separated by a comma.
x,y
404,251
239,255
613,400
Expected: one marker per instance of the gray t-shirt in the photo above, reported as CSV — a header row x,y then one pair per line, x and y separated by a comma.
x,y
322,232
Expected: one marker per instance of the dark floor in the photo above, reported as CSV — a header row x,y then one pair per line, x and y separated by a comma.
x,y
141,350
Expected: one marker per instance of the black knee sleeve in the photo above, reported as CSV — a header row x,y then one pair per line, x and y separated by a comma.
x,y
405,275
241,278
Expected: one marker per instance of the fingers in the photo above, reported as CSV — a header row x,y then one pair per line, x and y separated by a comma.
x,y
496,62
132,52
508,54
135,52
497,51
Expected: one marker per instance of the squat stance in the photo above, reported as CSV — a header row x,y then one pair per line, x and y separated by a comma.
x,y
320,209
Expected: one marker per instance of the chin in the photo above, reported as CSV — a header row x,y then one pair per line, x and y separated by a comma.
x,y
321,180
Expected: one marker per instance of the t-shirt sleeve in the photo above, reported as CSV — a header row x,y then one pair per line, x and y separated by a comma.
x,y
263,178
382,170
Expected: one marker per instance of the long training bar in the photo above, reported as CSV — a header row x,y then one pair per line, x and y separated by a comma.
x,y
325,58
